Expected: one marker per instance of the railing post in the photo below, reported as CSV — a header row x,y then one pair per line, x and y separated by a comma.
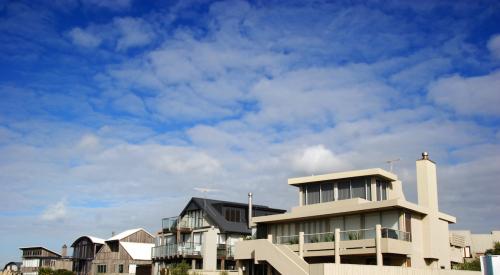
x,y
337,245
270,237
239,267
378,243
301,244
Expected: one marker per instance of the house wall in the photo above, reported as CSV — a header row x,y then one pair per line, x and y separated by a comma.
x,y
348,269
113,259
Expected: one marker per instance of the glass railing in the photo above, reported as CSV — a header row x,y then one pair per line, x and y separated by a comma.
x,y
361,234
184,249
225,250
319,237
396,234
173,223
293,239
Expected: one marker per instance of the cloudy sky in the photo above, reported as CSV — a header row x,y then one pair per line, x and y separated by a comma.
x,y
113,112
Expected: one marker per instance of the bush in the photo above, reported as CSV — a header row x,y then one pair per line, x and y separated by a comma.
x,y
180,269
49,271
473,265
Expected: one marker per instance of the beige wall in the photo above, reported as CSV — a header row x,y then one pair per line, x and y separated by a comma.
x,y
348,269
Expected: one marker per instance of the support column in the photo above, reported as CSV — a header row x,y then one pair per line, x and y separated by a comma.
x,y
378,243
239,267
193,264
337,245
301,244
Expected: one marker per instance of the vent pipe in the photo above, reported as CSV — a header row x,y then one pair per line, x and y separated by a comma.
x,y
250,207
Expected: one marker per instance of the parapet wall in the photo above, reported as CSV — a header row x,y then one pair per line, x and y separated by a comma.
x,y
348,269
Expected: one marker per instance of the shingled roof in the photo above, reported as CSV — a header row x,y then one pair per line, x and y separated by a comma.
x,y
213,210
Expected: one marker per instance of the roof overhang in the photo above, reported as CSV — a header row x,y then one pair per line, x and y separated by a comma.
x,y
342,175
345,207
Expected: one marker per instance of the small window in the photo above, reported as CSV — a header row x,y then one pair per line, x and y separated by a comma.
x,y
120,268
101,268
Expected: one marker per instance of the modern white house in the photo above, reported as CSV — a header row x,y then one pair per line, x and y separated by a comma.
x,y
356,217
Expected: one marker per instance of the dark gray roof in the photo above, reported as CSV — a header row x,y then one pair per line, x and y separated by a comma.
x,y
213,210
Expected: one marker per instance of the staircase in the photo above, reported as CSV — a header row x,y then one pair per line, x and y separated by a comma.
x,y
284,260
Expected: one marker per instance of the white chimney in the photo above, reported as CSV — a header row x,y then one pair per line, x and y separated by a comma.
x,y
427,183
64,251
250,207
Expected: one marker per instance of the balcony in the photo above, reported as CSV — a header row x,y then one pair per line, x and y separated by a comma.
x,y
225,250
352,242
177,250
184,224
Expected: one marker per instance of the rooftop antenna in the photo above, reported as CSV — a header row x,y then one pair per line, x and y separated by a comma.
x,y
391,163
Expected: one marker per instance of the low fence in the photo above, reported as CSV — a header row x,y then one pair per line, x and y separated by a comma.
x,y
349,269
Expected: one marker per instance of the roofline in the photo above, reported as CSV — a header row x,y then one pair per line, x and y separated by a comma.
x,y
343,175
88,237
360,206
31,247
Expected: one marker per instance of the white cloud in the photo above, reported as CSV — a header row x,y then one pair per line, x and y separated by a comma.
x,y
133,32
494,46
55,212
316,159
478,95
84,38
88,142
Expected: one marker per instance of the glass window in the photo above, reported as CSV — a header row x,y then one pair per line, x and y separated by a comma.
x,y
344,189
327,192
381,190
101,268
120,268
313,193
358,188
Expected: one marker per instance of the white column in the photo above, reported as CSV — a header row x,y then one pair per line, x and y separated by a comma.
x,y
238,267
337,245
301,244
270,237
378,243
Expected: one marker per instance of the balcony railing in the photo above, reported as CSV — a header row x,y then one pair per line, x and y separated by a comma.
x,y
319,237
396,234
361,234
348,235
225,250
176,223
182,249
294,239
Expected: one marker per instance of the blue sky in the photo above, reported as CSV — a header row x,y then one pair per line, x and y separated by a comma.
x,y
113,112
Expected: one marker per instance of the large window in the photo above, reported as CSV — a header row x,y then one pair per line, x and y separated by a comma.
x,y
345,189
234,214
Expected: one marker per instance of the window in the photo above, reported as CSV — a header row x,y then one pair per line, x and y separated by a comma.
x,y
101,268
120,268
344,190
233,214
358,188
381,190
466,252
327,192
313,193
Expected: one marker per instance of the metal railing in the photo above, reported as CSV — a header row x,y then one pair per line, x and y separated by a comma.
x,y
174,223
361,234
293,239
225,250
319,237
396,234
182,249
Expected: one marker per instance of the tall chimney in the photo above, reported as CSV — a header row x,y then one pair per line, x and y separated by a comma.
x,y
427,183
64,251
250,207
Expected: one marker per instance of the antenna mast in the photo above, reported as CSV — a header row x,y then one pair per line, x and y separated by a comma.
x,y
391,163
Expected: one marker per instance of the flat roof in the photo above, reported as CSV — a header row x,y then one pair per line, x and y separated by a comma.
x,y
343,175
344,207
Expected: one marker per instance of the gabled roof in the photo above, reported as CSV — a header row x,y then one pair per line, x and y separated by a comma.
x,y
127,233
138,251
212,209
91,238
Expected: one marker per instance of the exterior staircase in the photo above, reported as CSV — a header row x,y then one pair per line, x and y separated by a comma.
x,y
284,260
